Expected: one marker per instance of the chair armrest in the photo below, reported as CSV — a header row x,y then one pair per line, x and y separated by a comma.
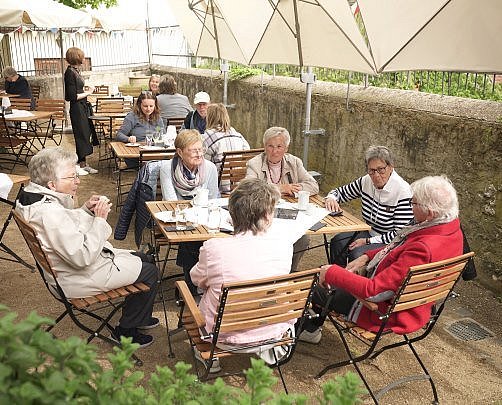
x,y
190,303
372,306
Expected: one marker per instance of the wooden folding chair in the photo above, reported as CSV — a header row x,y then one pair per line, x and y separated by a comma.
x,y
424,284
35,91
246,305
55,126
16,144
21,103
233,168
101,90
80,310
177,122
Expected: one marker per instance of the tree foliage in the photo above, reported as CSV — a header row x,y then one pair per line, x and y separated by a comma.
x,y
93,3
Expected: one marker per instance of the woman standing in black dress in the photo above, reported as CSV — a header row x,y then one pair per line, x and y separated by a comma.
x,y
80,110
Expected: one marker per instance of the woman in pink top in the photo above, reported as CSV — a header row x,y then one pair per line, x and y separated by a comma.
x,y
254,252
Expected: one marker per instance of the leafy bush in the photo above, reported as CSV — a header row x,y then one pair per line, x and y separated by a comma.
x,y
35,368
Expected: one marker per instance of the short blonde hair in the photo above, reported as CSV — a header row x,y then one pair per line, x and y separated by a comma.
x,y
186,138
75,56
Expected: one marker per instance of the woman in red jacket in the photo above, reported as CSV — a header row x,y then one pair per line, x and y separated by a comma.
x,y
434,235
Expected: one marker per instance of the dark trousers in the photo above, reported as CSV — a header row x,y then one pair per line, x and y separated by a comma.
x,y
138,308
341,302
188,256
339,247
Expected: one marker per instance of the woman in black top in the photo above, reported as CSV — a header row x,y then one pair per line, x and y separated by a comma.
x,y
80,110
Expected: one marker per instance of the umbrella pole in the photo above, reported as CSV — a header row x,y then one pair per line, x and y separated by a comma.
x,y
224,69
61,55
308,78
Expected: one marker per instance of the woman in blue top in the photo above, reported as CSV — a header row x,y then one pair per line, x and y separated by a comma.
x,y
143,119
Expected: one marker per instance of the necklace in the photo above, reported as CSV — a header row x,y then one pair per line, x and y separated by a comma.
x,y
270,173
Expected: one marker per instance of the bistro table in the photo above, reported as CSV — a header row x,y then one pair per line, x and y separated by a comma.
x,y
333,225
16,179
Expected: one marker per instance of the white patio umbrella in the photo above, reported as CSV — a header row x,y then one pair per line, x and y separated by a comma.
x,y
41,13
445,35
307,33
208,33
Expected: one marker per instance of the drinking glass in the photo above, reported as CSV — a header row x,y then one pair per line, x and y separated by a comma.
x,y
148,139
214,218
181,219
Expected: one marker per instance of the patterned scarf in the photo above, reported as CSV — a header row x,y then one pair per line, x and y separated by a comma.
x,y
399,240
184,181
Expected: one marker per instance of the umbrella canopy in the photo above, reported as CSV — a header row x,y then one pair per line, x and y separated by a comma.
x,y
206,29
444,35
41,13
298,32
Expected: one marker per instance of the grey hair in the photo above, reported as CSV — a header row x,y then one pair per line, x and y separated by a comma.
x,y
252,204
9,71
437,194
276,131
47,164
379,152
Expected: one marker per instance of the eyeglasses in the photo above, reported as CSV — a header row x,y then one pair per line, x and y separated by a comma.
x,y
414,203
278,147
196,152
75,177
379,170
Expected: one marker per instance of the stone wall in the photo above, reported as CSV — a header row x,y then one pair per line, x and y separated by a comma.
x,y
429,134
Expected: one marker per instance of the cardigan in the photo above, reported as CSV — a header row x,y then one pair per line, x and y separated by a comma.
x,y
424,246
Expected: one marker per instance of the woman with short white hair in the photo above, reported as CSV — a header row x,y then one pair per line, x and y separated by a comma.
x,y
434,235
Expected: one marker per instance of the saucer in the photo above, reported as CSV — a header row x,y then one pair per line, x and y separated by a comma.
x,y
132,144
165,216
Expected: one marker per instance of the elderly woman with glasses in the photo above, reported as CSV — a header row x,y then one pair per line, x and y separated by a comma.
x,y
180,179
375,276
385,200
76,241
286,171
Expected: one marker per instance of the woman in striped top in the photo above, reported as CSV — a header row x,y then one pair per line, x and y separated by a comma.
x,y
385,198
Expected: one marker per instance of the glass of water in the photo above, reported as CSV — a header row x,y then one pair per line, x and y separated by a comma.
x,y
181,219
149,139
214,218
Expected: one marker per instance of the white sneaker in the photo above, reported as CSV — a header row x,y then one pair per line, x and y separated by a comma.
x,y
80,171
90,170
215,367
311,337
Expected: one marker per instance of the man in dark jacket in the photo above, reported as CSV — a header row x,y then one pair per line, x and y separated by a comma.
x,y
197,119
16,84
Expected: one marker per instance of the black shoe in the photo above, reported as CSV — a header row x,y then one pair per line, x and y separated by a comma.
x,y
152,323
139,338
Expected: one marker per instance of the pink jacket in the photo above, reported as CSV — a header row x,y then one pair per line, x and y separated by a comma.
x,y
239,258
427,245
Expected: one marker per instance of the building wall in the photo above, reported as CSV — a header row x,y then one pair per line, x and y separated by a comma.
x,y
428,134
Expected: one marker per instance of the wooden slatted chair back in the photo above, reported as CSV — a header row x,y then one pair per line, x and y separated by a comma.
x,y
20,103
431,282
177,122
149,155
233,167
35,91
101,90
56,106
130,91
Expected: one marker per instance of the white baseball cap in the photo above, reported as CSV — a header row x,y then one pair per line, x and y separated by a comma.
x,y
201,97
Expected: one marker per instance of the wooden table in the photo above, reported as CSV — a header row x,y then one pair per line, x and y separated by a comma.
x,y
122,151
36,115
334,225
16,179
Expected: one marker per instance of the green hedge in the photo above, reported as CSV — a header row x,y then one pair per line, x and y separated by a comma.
x,y
36,368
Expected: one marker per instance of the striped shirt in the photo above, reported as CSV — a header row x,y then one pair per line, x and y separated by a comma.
x,y
385,210
216,143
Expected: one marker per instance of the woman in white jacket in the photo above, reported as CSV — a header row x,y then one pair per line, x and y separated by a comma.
x,y
75,240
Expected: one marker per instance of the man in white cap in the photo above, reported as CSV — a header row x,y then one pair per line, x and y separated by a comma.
x,y
197,119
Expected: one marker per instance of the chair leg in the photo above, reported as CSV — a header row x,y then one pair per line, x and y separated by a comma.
x,y
280,371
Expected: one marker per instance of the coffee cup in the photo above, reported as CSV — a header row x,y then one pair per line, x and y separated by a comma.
x,y
310,210
303,200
